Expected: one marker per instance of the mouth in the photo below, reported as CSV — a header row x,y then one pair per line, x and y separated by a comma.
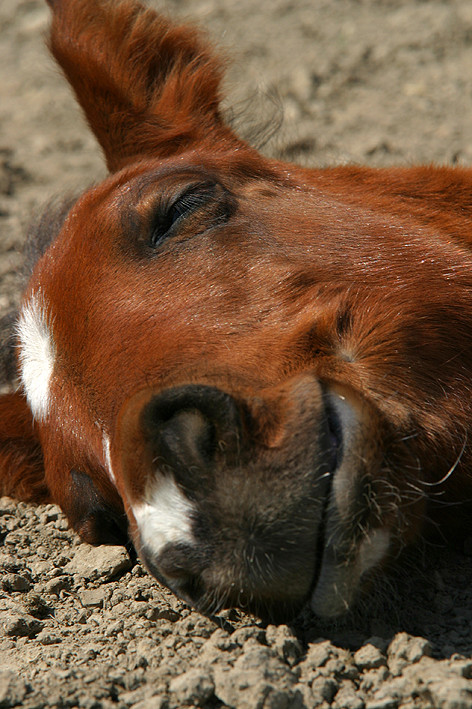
x,y
332,441
333,432
349,544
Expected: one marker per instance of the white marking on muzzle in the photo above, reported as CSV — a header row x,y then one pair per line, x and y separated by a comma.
x,y
37,355
165,516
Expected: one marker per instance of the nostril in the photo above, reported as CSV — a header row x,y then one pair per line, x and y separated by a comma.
x,y
187,426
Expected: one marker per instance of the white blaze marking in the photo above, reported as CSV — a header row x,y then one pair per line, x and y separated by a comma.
x,y
37,355
107,454
165,516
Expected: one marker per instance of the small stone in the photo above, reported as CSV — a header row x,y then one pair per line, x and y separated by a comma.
x,y
10,563
45,637
257,679
369,657
324,689
163,614
318,653
219,647
50,513
250,632
114,628
58,584
13,689
372,680
36,606
406,649
16,582
193,687
93,597
341,665
285,643
103,562
347,697
20,625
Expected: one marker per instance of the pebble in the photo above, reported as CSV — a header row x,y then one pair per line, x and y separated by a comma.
x,y
16,582
94,597
371,680
10,563
16,624
324,689
382,703
103,562
163,614
406,649
318,654
369,657
257,679
347,697
58,584
251,632
46,637
193,687
157,701
284,642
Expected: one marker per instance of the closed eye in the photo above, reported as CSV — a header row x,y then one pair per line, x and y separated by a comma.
x,y
170,216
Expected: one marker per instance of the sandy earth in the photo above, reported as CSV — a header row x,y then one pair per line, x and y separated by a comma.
x,y
371,81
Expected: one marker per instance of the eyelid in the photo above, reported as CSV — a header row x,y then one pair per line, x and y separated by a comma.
x,y
194,190
167,216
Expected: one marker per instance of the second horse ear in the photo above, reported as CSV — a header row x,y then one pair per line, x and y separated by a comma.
x,y
147,87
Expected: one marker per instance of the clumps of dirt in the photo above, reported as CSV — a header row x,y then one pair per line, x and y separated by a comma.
x,y
85,626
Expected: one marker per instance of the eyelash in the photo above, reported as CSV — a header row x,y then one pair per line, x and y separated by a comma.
x,y
168,216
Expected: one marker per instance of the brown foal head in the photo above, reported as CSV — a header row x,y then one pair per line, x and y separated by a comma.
x,y
258,373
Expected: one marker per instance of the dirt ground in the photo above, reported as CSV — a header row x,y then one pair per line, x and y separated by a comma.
x,y
369,81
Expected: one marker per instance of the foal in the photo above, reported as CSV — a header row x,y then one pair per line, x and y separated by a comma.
x,y
255,372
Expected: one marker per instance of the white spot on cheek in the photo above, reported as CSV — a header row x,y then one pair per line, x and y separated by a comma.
x,y
107,454
165,516
37,355
373,549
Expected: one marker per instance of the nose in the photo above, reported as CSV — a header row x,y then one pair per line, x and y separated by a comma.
x,y
188,428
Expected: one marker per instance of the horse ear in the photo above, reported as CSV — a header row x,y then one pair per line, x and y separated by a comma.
x,y
21,457
147,87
